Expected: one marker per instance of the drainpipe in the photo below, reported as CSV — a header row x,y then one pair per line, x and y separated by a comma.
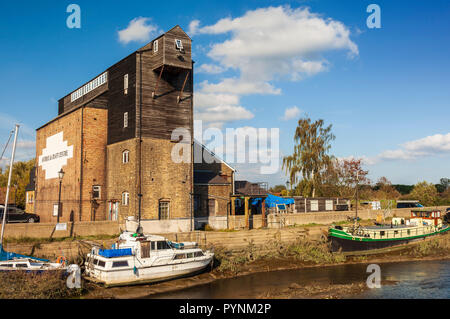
x,y
81,163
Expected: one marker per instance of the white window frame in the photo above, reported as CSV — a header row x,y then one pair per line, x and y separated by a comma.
x,y
125,84
168,209
125,120
125,157
125,198
179,44
316,205
155,46
99,188
328,204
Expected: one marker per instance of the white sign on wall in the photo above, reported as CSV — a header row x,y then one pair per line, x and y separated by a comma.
x,y
55,155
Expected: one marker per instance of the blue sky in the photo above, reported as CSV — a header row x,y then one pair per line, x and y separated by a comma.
x,y
385,91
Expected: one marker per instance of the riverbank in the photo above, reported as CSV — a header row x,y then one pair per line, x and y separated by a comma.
x,y
276,257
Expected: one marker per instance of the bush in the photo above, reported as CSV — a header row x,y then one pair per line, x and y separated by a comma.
x,y
46,285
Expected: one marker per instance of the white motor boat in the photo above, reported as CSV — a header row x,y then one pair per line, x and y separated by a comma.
x,y
139,259
30,265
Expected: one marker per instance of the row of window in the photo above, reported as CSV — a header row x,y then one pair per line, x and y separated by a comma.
x,y
178,45
89,87
189,255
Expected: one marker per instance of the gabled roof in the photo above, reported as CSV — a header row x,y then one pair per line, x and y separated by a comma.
x,y
213,155
181,29
209,178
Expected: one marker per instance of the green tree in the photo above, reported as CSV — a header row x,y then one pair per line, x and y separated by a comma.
x,y
425,192
21,177
277,189
310,157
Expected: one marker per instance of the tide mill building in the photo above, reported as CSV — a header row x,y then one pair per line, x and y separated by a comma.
x,y
112,139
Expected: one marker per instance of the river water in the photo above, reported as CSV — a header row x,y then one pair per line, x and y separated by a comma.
x,y
417,279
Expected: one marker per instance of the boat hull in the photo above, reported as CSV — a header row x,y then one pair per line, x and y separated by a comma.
x,y
148,275
356,244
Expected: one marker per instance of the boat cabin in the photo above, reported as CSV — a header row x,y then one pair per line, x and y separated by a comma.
x,y
433,216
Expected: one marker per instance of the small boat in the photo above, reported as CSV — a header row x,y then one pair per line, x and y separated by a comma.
x,y
421,225
139,259
12,261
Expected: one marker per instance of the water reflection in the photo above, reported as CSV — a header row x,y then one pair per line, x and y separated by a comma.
x,y
423,279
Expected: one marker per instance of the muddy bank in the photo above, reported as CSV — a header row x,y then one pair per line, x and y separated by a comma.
x,y
295,256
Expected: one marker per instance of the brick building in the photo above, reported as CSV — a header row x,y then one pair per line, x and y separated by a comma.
x,y
113,140
213,185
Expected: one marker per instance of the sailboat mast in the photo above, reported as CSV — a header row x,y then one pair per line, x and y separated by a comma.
x,y
356,210
9,182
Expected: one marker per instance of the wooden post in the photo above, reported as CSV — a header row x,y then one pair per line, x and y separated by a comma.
x,y
232,220
263,213
247,224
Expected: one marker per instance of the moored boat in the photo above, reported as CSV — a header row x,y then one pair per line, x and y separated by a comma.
x,y
355,238
139,259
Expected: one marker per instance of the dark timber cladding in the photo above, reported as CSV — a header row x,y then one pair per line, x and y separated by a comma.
x,y
131,108
120,103
167,84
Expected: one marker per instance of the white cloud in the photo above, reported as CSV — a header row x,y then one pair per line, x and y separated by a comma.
x,y
291,113
224,113
205,100
238,86
210,69
139,30
270,44
193,27
434,145
270,41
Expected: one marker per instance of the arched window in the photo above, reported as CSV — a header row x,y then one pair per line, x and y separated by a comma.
x,y
125,198
125,157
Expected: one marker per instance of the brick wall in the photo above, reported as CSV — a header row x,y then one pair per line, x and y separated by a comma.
x,y
162,179
93,159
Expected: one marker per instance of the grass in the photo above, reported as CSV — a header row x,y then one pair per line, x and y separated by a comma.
x,y
306,251
437,246
47,285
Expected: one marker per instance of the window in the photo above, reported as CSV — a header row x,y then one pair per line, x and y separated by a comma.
x,y
101,263
155,46
21,266
180,256
125,157
125,84
164,209
179,44
123,263
96,192
314,205
190,255
162,245
125,198
125,120
199,254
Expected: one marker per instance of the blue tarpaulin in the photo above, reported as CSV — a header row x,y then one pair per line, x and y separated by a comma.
x,y
4,256
272,201
110,253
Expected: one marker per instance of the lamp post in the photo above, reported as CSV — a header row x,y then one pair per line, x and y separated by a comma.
x,y
287,188
60,176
